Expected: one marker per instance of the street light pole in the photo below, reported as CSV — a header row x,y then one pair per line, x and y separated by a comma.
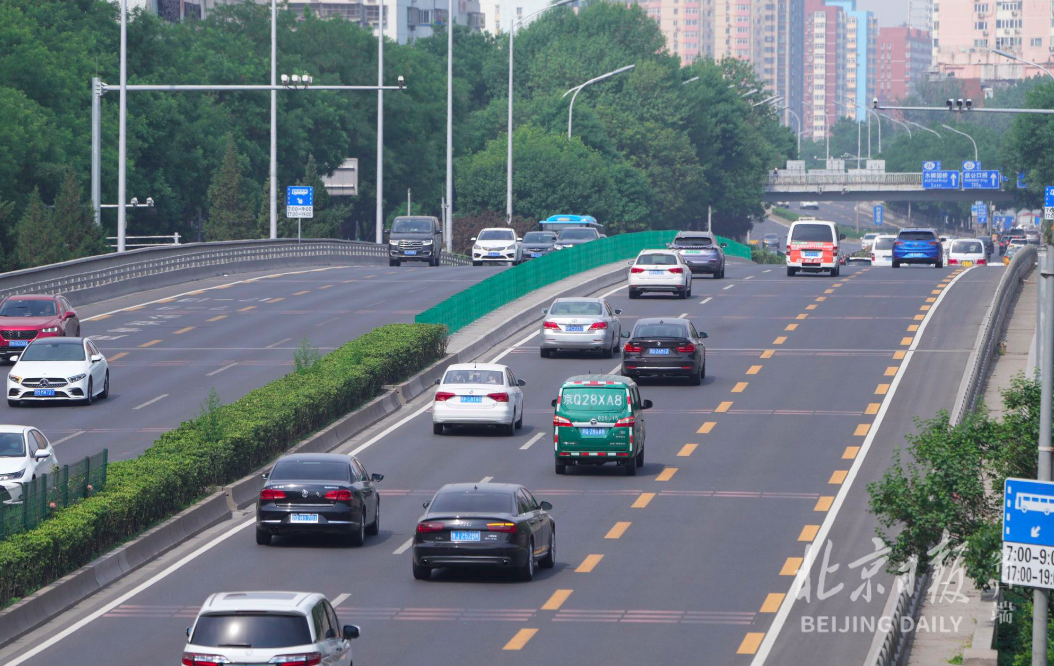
x,y
380,125
1011,56
578,89
273,194
797,118
904,125
96,147
122,217
449,227
923,127
952,129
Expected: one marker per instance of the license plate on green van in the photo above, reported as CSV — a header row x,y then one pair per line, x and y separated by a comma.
x,y
593,432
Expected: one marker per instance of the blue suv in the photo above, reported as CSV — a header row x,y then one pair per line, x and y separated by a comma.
x,y
918,246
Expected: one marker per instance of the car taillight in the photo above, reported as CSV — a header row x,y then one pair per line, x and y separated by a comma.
x,y
624,423
559,421
636,270
551,325
788,249
272,494
443,395
598,325
339,495
872,256
631,349
686,349
933,242
675,270
501,527
429,526
305,659
898,242
982,262
498,397
194,659
952,262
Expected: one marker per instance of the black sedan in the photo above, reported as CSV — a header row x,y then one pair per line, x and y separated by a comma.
x,y
484,524
318,493
664,346
536,244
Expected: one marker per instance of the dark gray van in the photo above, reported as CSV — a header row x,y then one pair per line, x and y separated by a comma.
x,y
415,238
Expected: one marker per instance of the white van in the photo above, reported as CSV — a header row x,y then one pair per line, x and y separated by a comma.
x,y
882,250
812,246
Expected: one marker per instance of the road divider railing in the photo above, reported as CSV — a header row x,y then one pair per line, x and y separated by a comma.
x,y
225,443
50,492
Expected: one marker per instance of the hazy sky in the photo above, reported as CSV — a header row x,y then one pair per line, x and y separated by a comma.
x,y
888,12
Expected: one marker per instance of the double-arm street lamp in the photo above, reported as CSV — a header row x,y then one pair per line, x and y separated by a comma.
x,y
578,89
923,127
952,129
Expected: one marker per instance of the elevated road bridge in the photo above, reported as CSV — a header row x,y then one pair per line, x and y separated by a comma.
x,y
876,186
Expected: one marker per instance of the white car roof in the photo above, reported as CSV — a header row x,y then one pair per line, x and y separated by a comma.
x,y
4,428
509,229
885,236
477,366
261,601
670,252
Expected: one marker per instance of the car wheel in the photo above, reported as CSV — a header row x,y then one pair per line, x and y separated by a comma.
x,y
633,294
393,262
640,458
477,263
939,264
422,573
519,421
358,536
526,572
688,294
89,398
375,527
607,353
549,561
14,403
791,271
263,538
437,428
545,353
561,469
695,379
702,372
106,386
896,264
682,293
836,271
631,467
510,429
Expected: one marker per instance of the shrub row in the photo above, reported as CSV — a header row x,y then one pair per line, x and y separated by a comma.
x,y
220,446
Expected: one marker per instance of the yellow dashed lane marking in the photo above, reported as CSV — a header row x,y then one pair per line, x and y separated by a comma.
x,y
906,341
618,530
772,602
821,299
557,600
217,318
791,327
247,308
882,389
686,450
275,300
768,353
134,308
898,355
802,316
117,356
936,291
642,500
301,293
861,430
891,371
753,370
740,387
706,427
931,300
810,306
919,317
913,328
102,316
837,284
223,286
520,639
850,452
750,643
790,567
589,563
780,340
723,407
195,293
808,533
150,344
924,308
166,300
828,291
837,477
824,503
183,330
872,407
666,474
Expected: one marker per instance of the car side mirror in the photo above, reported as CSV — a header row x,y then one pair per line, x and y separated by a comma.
x,y
351,632
265,475
13,358
702,334
473,239
188,632
724,244
425,504
521,382
546,506
545,310
70,314
376,477
438,382
519,240
95,358
42,454
554,402
841,236
625,334
669,245
629,263
647,404
618,311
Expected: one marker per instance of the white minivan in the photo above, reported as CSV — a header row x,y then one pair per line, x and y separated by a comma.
x,y
882,250
812,246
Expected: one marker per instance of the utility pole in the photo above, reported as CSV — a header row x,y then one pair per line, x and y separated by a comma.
x,y
1040,596
408,201
96,148
273,192
380,125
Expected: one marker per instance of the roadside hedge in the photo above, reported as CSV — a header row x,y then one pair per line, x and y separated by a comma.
x,y
216,448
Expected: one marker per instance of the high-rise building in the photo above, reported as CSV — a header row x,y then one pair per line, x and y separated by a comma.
x,y
965,30
904,56
790,55
861,40
685,25
920,15
824,81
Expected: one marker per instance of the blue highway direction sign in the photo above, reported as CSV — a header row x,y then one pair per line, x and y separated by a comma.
x,y
940,180
981,180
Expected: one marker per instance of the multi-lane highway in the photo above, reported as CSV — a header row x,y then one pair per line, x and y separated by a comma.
x,y
812,382
167,349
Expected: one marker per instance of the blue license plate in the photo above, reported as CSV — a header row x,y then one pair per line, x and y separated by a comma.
x,y
410,253
44,393
471,398
535,255
814,254
464,536
659,351
303,518
593,432
18,343
493,254
573,328
915,255
656,272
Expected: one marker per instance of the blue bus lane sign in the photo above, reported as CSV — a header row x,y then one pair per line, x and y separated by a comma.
x,y
1028,533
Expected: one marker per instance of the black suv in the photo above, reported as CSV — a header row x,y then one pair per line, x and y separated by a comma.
x,y
415,238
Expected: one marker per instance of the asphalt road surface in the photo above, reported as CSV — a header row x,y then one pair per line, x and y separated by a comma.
x,y
812,382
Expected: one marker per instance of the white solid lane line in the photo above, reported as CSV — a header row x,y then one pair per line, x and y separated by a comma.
x,y
682,315
810,553
513,347
706,300
403,548
216,372
608,293
272,346
340,598
730,286
767,270
150,402
68,437
390,429
749,277
486,479
532,440
614,371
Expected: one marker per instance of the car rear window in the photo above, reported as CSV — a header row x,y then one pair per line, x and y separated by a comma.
x,y
473,377
967,247
310,470
251,630
660,331
472,501
916,236
600,399
576,308
693,241
656,260
812,233
884,243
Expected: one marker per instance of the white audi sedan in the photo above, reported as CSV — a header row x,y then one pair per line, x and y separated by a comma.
x,y
478,394
24,453
59,369
660,270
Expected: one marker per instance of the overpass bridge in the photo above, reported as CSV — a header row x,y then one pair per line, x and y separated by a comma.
x,y
875,186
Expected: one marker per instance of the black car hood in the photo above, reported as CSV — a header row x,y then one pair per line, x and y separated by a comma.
x,y
410,236
545,246
575,241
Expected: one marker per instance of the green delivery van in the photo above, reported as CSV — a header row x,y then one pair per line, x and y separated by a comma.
x,y
599,419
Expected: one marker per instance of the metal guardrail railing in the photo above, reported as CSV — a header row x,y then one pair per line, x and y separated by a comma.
x,y
877,178
50,492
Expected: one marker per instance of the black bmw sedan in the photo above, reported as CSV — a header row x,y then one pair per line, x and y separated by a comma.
x,y
484,524
318,493
664,346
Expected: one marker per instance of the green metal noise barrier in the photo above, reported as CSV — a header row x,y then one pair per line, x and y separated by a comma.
x,y
49,492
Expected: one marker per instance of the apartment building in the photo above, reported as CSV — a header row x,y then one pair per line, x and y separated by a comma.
x,y
904,57
686,24
824,81
861,53
964,31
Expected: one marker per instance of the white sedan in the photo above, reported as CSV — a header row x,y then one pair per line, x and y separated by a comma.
x,y
478,394
967,252
496,245
24,453
64,369
660,270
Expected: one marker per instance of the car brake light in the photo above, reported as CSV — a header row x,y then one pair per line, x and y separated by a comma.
x,y
933,242
498,397
551,325
501,527
686,349
561,421
193,659
636,270
443,395
272,494
625,422
675,270
982,262
339,495
952,262
598,325
429,526
898,242
631,349
305,659
872,256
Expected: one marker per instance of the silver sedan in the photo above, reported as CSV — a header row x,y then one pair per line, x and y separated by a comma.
x,y
581,324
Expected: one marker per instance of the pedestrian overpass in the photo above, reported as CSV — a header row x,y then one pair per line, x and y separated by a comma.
x,y
786,185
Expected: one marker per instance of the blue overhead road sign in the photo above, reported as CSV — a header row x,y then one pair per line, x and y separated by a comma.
x,y
981,180
971,165
878,215
1004,221
940,180
931,165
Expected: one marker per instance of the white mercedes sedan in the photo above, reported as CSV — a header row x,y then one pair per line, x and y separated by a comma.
x,y
59,369
478,394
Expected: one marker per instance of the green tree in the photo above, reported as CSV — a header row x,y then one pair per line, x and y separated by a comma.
x,y
74,221
37,240
229,217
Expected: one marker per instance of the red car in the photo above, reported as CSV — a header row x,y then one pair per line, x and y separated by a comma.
x,y
25,318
